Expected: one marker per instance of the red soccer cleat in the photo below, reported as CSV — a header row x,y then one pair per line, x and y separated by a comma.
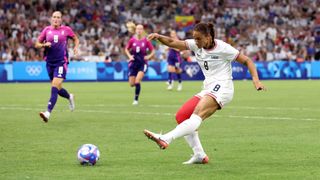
x,y
198,159
156,138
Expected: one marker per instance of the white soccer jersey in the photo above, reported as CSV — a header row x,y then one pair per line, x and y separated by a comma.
x,y
215,63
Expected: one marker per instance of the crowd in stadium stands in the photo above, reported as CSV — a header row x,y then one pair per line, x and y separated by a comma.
x,y
265,30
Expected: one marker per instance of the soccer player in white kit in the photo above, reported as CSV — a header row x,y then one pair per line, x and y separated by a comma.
x,y
214,57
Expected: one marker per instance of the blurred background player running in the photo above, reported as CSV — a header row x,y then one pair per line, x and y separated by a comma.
x,y
136,50
54,39
174,65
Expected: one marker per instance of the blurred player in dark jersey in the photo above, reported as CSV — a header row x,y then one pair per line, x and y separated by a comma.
x,y
54,39
174,65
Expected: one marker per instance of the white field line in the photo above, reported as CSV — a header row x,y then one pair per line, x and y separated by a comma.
x,y
316,109
162,114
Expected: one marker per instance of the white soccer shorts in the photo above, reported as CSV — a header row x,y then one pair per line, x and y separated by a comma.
x,y
221,91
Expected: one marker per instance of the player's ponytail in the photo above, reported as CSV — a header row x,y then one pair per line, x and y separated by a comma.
x,y
131,27
211,30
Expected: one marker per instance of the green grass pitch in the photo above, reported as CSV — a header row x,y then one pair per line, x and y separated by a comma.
x,y
259,135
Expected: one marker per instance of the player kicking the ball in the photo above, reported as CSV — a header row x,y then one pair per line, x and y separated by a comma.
x,y
214,57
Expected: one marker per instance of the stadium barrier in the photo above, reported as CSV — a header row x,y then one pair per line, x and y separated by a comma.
x,y
157,71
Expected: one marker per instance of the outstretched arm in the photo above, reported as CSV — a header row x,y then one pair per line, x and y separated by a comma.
x,y
173,43
245,60
130,56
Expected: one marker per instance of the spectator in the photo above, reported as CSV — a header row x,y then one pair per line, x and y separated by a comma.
x,y
264,23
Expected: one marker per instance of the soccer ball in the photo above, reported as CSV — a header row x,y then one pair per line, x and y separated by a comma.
x,y
88,154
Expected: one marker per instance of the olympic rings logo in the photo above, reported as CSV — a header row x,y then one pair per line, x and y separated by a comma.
x,y
194,68
33,70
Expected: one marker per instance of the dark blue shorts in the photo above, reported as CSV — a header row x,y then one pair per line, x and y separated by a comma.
x,y
57,71
174,62
135,67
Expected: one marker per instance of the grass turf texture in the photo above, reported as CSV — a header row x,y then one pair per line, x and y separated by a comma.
x,y
259,135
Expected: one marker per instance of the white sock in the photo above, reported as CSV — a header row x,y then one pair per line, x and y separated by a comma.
x,y
194,142
47,113
185,128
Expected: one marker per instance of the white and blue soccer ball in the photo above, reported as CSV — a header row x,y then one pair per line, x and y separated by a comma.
x,y
88,154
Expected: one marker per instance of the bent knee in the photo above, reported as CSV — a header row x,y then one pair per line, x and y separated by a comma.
x,y
131,84
57,85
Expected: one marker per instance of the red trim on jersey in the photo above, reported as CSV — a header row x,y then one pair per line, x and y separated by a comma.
x,y
213,96
237,56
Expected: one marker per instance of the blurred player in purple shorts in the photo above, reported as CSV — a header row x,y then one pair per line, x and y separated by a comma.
x,y
54,39
174,65
136,50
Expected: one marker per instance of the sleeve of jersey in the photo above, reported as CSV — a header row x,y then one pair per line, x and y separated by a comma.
x,y
231,53
70,32
191,44
128,46
150,46
42,35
